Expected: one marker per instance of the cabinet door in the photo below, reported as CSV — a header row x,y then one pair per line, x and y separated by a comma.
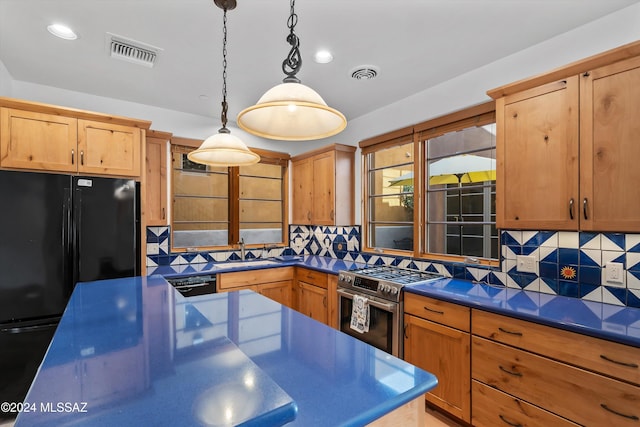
x,y
312,301
156,181
609,150
445,352
38,141
537,158
109,149
324,183
277,291
302,177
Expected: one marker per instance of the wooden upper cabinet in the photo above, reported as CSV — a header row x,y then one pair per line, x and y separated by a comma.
x,y
302,176
30,140
156,177
567,149
108,149
49,138
323,186
610,147
537,157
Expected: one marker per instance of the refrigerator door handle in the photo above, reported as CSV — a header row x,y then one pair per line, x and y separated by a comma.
x,y
67,240
34,328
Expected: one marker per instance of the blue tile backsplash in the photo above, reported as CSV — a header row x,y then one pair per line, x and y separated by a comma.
x,y
567,263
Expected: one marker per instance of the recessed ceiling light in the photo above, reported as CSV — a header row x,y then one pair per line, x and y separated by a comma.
x,y
62,31
323,57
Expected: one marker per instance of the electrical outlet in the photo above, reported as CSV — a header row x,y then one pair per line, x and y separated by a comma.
x,y
526,264
614,274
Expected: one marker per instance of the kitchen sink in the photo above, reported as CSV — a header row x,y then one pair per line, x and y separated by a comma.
x,y
248,263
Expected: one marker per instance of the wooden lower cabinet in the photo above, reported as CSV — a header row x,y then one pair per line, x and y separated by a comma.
x,y
312,301
554,371
441,349
274,283
310,292
277,291
492,408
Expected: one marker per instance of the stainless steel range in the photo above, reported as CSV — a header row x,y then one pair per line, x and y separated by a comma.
x,y
378,293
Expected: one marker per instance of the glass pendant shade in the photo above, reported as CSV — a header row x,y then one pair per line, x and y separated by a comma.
x,y
223,149
291,112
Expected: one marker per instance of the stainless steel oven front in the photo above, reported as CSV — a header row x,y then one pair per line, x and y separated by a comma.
x,y
385,322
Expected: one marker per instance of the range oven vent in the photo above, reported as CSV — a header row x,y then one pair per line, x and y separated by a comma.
x,y
132,51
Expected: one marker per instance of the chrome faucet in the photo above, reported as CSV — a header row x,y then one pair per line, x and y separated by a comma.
x,y
241,244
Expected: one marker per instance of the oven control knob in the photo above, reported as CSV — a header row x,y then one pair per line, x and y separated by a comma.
x,y
387,288
380,287
394,291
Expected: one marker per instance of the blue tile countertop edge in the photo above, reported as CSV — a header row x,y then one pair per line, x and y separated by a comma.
x,y
610,322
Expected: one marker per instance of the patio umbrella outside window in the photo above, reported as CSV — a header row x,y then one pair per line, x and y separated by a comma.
x,y
460,169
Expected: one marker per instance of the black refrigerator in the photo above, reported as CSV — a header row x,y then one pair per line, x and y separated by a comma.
x,y
55,231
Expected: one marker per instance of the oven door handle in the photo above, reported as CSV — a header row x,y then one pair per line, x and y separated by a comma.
x,y
387,307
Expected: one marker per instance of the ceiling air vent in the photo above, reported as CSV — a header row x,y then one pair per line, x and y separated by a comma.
x,y
132,51
365,72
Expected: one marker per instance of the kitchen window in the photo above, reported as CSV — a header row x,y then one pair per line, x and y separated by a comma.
x,y
460,205
389,207
447,163
218,206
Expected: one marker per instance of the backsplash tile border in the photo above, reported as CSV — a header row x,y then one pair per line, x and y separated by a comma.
x,y
567,263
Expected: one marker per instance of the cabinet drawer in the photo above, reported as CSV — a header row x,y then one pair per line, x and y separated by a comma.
x,y
606,357
453,315
493,408
316,278
253,277
581,396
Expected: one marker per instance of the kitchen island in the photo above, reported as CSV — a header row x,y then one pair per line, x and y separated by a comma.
x,y
135,352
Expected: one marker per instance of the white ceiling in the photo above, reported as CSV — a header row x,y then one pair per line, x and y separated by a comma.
x,y
415,43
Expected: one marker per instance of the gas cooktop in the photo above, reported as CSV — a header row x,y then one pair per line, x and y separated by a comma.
x,y
383,281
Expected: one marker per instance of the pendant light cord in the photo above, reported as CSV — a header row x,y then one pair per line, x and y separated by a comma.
x,y
225,107
293,62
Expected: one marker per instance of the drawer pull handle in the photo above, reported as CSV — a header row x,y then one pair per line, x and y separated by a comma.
x,y
432,310
515,374
506,421
506,331
630,365
631,417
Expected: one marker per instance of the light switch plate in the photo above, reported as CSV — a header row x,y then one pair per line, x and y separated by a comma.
x,y
526,264
614,274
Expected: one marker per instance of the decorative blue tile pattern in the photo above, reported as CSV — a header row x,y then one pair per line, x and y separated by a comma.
x,y
567,263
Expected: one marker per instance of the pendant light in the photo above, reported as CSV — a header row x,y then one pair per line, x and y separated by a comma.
x,y
292,111
224,149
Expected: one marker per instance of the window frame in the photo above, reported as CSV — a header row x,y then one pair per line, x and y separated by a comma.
x,y
388,140
179,144
420,133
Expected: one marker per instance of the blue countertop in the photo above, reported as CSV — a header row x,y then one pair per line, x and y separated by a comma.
x,y
611,322
615,323
314,262
135,352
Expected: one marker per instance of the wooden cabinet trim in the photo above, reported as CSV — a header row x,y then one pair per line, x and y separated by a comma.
x,y
72,112
325,149
578,67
